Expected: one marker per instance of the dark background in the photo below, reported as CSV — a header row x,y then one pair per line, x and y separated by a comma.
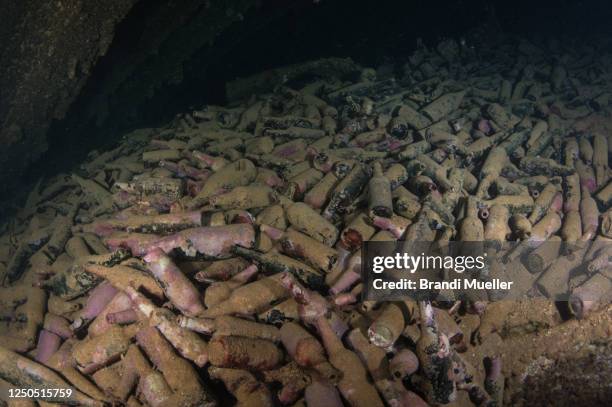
x,y
372,32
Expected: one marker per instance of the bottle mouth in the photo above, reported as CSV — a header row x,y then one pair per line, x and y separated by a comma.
x,y
483,213
577,306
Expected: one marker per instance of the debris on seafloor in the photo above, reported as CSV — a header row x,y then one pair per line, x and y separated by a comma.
x,y
222,251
